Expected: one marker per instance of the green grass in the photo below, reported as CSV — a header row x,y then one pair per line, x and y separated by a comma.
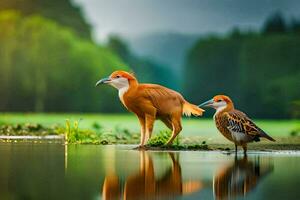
x,y
201,127
197,134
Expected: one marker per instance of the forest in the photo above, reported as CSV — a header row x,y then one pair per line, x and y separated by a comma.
x,y
259,70
50,63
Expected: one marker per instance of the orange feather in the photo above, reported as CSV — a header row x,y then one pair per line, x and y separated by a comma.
x,y
150,102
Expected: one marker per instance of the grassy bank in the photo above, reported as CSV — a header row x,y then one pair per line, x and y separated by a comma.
x,y
124,129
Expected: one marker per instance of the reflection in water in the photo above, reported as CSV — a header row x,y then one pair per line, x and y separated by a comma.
x,y
144,185
55,171
240,177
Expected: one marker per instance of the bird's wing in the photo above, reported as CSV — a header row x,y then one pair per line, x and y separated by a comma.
x,y
240,123
160,95
159,92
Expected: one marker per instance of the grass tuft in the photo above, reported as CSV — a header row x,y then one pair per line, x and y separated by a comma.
x,y
75,135
34,129
160,139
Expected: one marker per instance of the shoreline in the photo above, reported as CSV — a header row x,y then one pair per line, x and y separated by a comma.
x,y
263,147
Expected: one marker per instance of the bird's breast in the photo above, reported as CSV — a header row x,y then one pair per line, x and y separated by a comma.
x,y
221,125
131,102
122,91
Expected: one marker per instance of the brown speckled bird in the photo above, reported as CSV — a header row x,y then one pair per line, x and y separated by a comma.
x,y
234,124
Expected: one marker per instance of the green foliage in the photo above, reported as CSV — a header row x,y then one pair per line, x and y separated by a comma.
x,y
28,129
192,127
159,142
295,132
63,12
212,66
75,135
46,67
159,139
295,26
275,24
295,109
270,74
82,130
260,73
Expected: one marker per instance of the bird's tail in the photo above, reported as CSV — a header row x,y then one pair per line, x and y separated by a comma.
x,y
191,109
265,135
269,138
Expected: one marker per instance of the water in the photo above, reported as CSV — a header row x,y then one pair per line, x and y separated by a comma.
x,y
55,171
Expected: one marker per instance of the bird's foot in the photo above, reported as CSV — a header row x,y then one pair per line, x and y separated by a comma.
x,y
140,148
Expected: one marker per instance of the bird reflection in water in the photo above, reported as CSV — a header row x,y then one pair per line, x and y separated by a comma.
x,y
143,185
240,177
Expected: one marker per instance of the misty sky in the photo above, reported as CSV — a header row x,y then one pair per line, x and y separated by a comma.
x,y
131,18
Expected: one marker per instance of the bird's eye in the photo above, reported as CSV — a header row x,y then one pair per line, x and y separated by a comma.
x,y
118,76
219,100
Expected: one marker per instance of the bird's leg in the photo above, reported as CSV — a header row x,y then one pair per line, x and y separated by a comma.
x,y
142,123
176,130
149,127
245,149
235,149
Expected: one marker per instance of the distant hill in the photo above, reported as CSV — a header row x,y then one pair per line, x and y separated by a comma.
x,y
166,48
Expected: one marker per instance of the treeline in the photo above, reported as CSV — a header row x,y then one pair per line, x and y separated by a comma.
x,y
63,12
47,67
260,71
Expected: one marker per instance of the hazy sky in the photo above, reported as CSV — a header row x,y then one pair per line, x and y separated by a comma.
x,y
132,18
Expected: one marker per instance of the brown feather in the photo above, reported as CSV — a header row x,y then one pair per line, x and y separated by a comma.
x,y
238,121
151,101
148,97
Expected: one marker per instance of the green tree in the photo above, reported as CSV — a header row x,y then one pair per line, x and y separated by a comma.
x,y
64,12
212,68
46,67
259,72
295,26
275,24
270,74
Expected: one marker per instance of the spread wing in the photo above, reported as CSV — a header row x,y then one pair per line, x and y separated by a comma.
x,y
237,121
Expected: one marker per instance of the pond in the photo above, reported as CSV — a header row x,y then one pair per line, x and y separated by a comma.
x,y
56,171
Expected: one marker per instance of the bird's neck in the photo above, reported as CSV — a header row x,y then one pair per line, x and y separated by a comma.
x,y
131,87
227,108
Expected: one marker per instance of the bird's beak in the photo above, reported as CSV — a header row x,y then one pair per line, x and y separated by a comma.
x,y
208,103
103,81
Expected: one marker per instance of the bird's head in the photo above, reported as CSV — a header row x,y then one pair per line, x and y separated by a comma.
x,y
218,102
118,79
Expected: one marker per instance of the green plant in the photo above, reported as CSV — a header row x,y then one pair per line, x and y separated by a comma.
x,y
97,126
73,134
161,139
295,132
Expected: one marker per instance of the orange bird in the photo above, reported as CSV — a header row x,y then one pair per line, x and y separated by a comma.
x,y
234,124
150,102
